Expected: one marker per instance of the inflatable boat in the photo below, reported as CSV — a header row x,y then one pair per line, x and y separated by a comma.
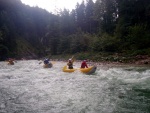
x,y
88,70
47,65
10,63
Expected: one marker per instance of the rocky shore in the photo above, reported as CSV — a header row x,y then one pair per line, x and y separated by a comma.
x,y
139,60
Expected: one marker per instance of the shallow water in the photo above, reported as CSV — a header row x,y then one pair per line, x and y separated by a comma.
x,y
27,87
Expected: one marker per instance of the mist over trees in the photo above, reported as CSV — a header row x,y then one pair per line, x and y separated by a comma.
x,y
104,26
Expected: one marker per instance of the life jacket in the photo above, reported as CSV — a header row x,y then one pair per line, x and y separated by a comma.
x,y
83,65
70,65
46,61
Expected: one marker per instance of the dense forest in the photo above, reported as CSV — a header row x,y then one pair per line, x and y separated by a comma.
x,y
106,26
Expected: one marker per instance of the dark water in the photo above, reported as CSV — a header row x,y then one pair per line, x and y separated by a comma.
x,y
27,87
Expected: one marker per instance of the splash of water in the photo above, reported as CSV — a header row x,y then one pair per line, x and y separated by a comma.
x,y
27,87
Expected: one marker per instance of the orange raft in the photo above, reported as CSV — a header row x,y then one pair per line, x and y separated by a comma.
x,y
10,62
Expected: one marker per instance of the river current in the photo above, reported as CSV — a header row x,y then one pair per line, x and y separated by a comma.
x,y
27,87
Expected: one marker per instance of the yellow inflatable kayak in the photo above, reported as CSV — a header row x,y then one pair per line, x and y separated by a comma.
x,y
88,70
65,69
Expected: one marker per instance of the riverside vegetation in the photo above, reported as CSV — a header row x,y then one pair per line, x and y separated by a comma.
x,y
107,30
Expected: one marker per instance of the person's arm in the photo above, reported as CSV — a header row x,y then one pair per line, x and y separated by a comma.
x,y
68,63
86,65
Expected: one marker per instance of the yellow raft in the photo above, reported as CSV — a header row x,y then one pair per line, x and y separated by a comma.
x,y
88,70
65,69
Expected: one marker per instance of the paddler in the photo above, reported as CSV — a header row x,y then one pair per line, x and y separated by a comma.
x,y
11,61
47,62
84,64
70,63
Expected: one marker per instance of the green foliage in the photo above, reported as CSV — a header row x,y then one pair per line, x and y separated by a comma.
x,y
80,42
80,15
83,56
106,43
64,45
4,50
105,12
104,26
138,52
24,48
1,38
138,37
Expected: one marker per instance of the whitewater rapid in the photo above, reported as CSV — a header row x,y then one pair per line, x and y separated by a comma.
x,y
27,87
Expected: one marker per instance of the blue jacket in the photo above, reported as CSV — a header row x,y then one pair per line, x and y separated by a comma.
x,y
46,61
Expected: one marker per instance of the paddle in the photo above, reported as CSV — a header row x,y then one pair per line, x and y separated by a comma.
x,y
72,58
40,62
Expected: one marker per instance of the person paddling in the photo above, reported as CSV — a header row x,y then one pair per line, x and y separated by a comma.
x,y
70,63
84,64
11,61
46,62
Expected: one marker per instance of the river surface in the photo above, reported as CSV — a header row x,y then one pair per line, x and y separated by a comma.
x,y
27,87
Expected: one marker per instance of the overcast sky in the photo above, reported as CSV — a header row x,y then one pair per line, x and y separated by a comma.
x,y
53,5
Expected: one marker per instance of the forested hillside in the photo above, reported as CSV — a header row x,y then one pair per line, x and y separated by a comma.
x,y
112,26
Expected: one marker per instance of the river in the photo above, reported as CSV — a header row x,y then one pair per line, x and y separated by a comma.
x,y
27,87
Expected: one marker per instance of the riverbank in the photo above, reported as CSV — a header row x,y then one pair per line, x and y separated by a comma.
x,y
107,59
137,60
102,58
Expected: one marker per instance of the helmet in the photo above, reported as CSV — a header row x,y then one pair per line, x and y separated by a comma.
x,y
84,60
47,59
69,59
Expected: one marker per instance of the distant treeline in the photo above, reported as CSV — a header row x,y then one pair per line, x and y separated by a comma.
x,y
116,26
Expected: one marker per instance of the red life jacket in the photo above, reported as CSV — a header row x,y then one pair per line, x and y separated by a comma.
x,y
83,65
